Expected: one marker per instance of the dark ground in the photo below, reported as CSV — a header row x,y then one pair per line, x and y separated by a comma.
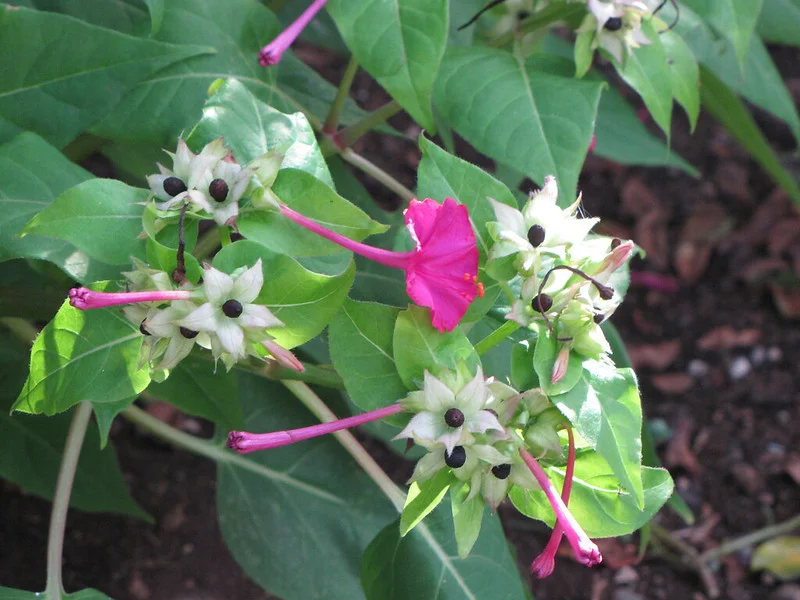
x,y
717,361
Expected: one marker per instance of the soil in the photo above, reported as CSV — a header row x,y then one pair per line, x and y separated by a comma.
x,y
708,322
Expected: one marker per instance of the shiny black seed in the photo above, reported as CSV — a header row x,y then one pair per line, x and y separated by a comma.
x,y
615,243
501,471
232,308
542,303
536,235
454,418
174,186
218,190
613,24
189,334
142,329
457,458
606,293
598,318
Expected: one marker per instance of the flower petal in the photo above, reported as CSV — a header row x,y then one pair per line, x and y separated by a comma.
x,y
206,318
231,337
472,397
424,426
217,285
178,349
255,315
248,285
482,422
438,397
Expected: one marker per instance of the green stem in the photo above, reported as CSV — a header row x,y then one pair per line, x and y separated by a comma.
x,y
313,374
320,410
755,537
335,112
24,331
58,517
350,135
224,235
497,336
207,244
378,174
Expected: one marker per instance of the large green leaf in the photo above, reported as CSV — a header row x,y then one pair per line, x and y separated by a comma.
x,y
32,175
779,22
236,29
305,504
419,347
400,43
61,75
425,563
126,16
102,217
305,301
532,116
598,502
26,291
361,349
13,594
83,355
605,409
314,199
684,74
734,19
252,128
195,388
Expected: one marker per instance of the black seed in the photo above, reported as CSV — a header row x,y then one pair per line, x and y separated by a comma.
x,y
598,318
606,293
501,471
536,235
174,186
232,308
454,418
523,14
457,458
615,243
613,24
218,190
542,303
189,334
142,329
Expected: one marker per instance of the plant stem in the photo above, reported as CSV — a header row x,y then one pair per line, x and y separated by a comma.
x,y
314,374
58,517
349,135
207,243
320,410
224,235
335,112
378,174
24,331
744,541
497,336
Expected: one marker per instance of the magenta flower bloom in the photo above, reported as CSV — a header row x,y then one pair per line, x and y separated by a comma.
x,y
585,550
441,272
244,442
272,52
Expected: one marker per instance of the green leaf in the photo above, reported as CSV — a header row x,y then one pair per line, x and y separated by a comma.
x,y
308,503
598,503
321,31
779,556
236,29
461,11
105,414
87,594
360,338
312,198
729,110
126,16
647,72
156,9
734,19
305,301
605,409
423,498
532,116
779,22
419,347
684,74
400,43
195,388
27,292
83,355
32,175
102,217
584,53
544,359
423,564
65,74
252,128
467,518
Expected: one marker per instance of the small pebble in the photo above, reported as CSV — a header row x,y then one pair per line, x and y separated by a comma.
x,y
626,576
697,368
776,448
774,354
739,368
757,355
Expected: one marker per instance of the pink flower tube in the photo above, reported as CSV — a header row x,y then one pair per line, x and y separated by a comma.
x,y
441,272
85,299
271,53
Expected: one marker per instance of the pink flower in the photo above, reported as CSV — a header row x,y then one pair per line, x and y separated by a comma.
x,y
272,52
85,299
585,550
244,442
441,272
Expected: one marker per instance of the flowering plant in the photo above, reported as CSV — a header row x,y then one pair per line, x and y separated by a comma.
x,y
249,279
